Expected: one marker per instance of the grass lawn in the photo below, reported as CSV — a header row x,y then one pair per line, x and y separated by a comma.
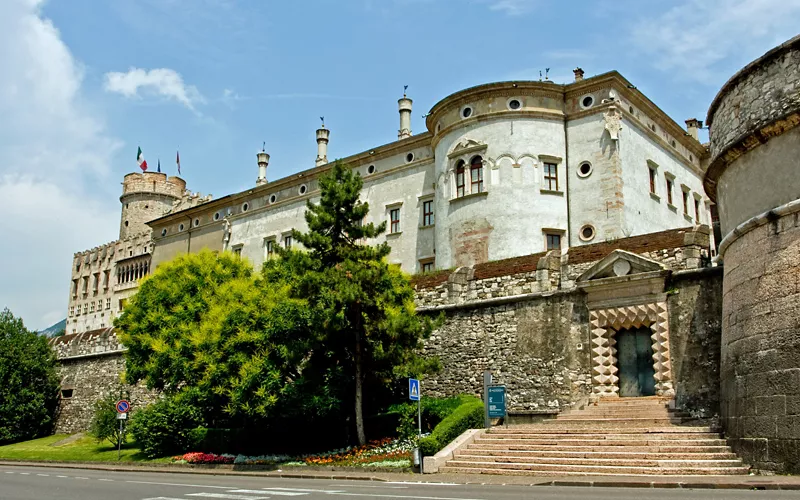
x,y
85,449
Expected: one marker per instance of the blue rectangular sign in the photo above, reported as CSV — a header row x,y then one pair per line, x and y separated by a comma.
x,y
413,389
497,401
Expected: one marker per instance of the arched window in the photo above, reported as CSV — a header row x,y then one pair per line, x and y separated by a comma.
x,y
476,175
460,179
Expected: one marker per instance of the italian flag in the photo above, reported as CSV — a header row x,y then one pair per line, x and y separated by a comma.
x,y
140,160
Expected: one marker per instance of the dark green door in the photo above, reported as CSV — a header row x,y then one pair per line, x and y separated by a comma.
x,y
635,363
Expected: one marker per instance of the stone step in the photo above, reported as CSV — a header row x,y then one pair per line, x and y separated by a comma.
x,y
617,420
627,462
661,412
661,448
644,455
604,442
560,470
548,429
602,435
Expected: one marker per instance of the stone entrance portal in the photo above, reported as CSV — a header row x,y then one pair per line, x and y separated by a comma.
x,y
635,363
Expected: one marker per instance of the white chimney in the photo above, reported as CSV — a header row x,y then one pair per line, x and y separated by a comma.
x,y
263,161
323,135
404,105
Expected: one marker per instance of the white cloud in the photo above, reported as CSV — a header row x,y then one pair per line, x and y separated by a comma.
x,y
161,81
512,7
54,156
698,37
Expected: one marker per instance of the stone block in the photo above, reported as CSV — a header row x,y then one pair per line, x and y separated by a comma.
x,y
770,405
793,405
788,427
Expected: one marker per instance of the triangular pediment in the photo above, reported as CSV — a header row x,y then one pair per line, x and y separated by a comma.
x,y
466,146
620,263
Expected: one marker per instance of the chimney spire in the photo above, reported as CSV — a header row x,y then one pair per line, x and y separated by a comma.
x,y
263,162
578,74
693,126
404,105
323,135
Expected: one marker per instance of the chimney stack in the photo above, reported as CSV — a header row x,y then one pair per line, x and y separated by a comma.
x,y
323,135
263,161
578,74
693,125
404,105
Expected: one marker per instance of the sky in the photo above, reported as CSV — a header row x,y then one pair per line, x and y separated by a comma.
x,y
86,82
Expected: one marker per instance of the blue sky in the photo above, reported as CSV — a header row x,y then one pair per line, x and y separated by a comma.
x,y
87,81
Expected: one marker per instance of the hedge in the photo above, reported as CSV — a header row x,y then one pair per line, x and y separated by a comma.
x,y
467,416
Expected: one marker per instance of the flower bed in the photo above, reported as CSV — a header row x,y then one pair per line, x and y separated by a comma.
x,y
393,453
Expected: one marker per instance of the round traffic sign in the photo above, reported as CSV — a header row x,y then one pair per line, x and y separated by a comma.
x,y
123,406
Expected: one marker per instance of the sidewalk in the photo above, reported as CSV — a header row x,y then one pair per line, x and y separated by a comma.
x,y
687,482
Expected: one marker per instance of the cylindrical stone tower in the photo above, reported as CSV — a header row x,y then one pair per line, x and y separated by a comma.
x,y
146,196
404,106
263,162
323,135
754,177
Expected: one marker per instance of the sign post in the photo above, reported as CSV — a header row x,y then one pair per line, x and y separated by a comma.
x,y
123,406
414,394
487,381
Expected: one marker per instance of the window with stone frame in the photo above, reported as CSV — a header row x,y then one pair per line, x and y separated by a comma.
x,y
686,202
269,248
79,309
91,306
460,179
551,176
553,241
476,175
697,210
72,310
99,305
287,241
670,185
108,303
426,266
427,213
394,220
237,251
652,172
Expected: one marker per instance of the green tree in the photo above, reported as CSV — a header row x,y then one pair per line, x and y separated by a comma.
x,y
105,424
205,323
366,329
28,382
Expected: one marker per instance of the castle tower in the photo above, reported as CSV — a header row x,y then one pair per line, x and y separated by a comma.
x,y
146,196
404,106
323,136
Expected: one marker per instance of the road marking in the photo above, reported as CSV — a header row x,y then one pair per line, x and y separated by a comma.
x,y
24,473
225,496
271,492
305,490
180,484
381,487
109,480
9,472
416,497
43,475
164,498
62,476
78,477
423,483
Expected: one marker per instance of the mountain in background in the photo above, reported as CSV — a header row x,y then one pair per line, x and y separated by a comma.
x,y
58,327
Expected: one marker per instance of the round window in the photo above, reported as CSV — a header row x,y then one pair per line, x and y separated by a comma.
x,y
584,169
196,222
216,216
302,189
514,104
587,232
273,198
587,101
245,207
181,227
466,112
371,169
164,232
409,157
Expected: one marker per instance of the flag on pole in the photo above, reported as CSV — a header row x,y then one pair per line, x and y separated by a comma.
x,y
178,161
159,165
140,160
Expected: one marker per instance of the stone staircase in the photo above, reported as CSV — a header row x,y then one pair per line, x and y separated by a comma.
x,y
619,436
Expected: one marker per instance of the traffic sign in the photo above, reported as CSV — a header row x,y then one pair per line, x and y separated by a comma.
x,y
413,389
122,416
497,401
123,406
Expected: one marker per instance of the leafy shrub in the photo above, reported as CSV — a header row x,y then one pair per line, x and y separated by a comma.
x,y
434,410
467,416
168,427
105,425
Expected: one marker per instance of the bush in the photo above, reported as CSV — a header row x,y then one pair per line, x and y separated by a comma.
x,y
105,424
168,427
467,416
434,410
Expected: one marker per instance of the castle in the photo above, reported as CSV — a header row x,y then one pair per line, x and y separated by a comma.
x,y
556,226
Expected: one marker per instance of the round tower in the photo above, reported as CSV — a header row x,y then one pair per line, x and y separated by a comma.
x,y
146,196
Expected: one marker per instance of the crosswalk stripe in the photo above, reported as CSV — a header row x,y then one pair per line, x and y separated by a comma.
x,y
225,496
271,492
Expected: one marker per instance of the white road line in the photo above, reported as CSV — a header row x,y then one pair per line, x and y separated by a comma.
x,y
381,487
423,483
9,472
77,477
62,477
164,498
271,492
306,490
225,496
43,475
109,480
24,473
415,497
182,484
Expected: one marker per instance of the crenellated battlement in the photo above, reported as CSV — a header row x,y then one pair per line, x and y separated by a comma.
x,y
154,183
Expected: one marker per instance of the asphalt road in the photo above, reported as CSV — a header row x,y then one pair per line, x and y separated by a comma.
x,y
34,483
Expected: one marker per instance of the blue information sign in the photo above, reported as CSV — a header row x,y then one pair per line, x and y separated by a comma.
x,y
413,389
497,401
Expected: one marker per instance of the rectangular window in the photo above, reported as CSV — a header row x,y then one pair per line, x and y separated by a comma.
x,y
269,249
670,184
287,241
394,219
72,310
460,182
75,288
686,202
697,210
91,307
553,241
652,180
551,176
108,303
427,213
427,267
79,309
237,251
106,279
476,178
